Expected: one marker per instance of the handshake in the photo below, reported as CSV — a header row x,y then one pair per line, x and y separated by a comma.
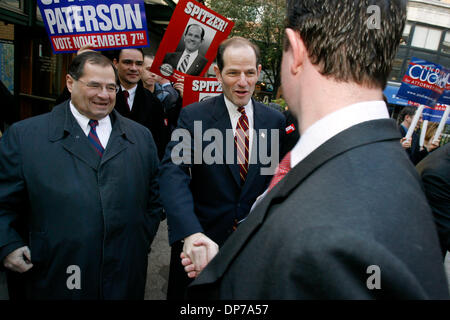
x,y
198,251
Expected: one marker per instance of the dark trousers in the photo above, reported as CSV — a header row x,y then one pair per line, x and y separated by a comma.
x,y
178,279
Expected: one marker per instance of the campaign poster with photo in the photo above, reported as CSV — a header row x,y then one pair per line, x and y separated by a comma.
x,y
423,82
190,42
105,24
198,89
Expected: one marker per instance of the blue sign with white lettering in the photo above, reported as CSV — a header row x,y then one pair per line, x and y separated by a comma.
x,y
105,24
424,82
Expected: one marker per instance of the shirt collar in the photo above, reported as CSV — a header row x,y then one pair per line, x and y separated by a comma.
x,y
334,123
192,55
82,120
233,109
131,91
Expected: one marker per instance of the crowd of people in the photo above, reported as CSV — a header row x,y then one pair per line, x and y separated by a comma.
x,y
259,204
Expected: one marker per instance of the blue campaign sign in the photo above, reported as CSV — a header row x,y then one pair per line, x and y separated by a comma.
x,y
391,94
445,96
105,24
435,114
423,82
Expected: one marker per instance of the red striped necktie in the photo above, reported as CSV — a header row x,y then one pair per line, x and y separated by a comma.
x,y
93,138
241,140
283,168
126,94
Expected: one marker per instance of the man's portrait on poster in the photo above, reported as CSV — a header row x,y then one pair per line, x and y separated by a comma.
x,y
189,57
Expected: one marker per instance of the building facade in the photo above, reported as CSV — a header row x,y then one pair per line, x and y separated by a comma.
x,y
29,69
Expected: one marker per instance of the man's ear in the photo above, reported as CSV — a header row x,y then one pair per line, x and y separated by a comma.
x,y
298,50
259,70
217,71
69,82
115,62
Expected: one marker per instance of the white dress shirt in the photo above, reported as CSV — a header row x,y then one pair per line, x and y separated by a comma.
x,y
103,129
234,118
192,57
329,126
132,94
334,123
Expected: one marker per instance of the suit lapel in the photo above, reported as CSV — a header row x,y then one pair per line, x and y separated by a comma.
x,y
195,66
361,134
118,138
64,127
138,103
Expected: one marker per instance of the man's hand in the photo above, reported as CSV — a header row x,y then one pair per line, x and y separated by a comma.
x,y
433,144
162,80
19,260
406,143
86,48
180,87
200,250
188,266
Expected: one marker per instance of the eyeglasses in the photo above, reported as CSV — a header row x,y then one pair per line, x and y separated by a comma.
x,y
110,88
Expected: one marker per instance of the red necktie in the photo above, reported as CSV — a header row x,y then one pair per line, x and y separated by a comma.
x,y
126,94
93,137
241,140
283,168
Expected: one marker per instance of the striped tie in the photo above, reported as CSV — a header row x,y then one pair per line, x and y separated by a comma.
x,y
283,168
184,64
241,140
126,94
93,138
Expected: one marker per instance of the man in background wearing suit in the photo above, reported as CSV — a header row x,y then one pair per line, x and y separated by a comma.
x,y
435,173
412,145
135,102
84,179
349,219
204,201
190,61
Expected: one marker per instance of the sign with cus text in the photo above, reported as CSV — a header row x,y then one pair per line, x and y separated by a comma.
x,y
105,24
423,82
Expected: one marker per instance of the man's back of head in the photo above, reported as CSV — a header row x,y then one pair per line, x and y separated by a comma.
x,y
334,56
342,40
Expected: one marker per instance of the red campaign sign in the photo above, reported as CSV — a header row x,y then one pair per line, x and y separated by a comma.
x,y
200,89
191,40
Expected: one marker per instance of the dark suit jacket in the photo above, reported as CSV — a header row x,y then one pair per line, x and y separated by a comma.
x,y
148,111
353,203
435,173
292,132
414,152
196,67
99,214
209,197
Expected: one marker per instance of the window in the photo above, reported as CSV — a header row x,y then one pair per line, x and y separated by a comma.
x,y
426,38
446,43
396,70
16,5
405,36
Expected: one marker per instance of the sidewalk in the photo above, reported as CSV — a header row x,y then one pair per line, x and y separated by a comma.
x,y
158,268
158,265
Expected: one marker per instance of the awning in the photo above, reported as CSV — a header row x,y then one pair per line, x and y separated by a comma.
x,y
391,94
